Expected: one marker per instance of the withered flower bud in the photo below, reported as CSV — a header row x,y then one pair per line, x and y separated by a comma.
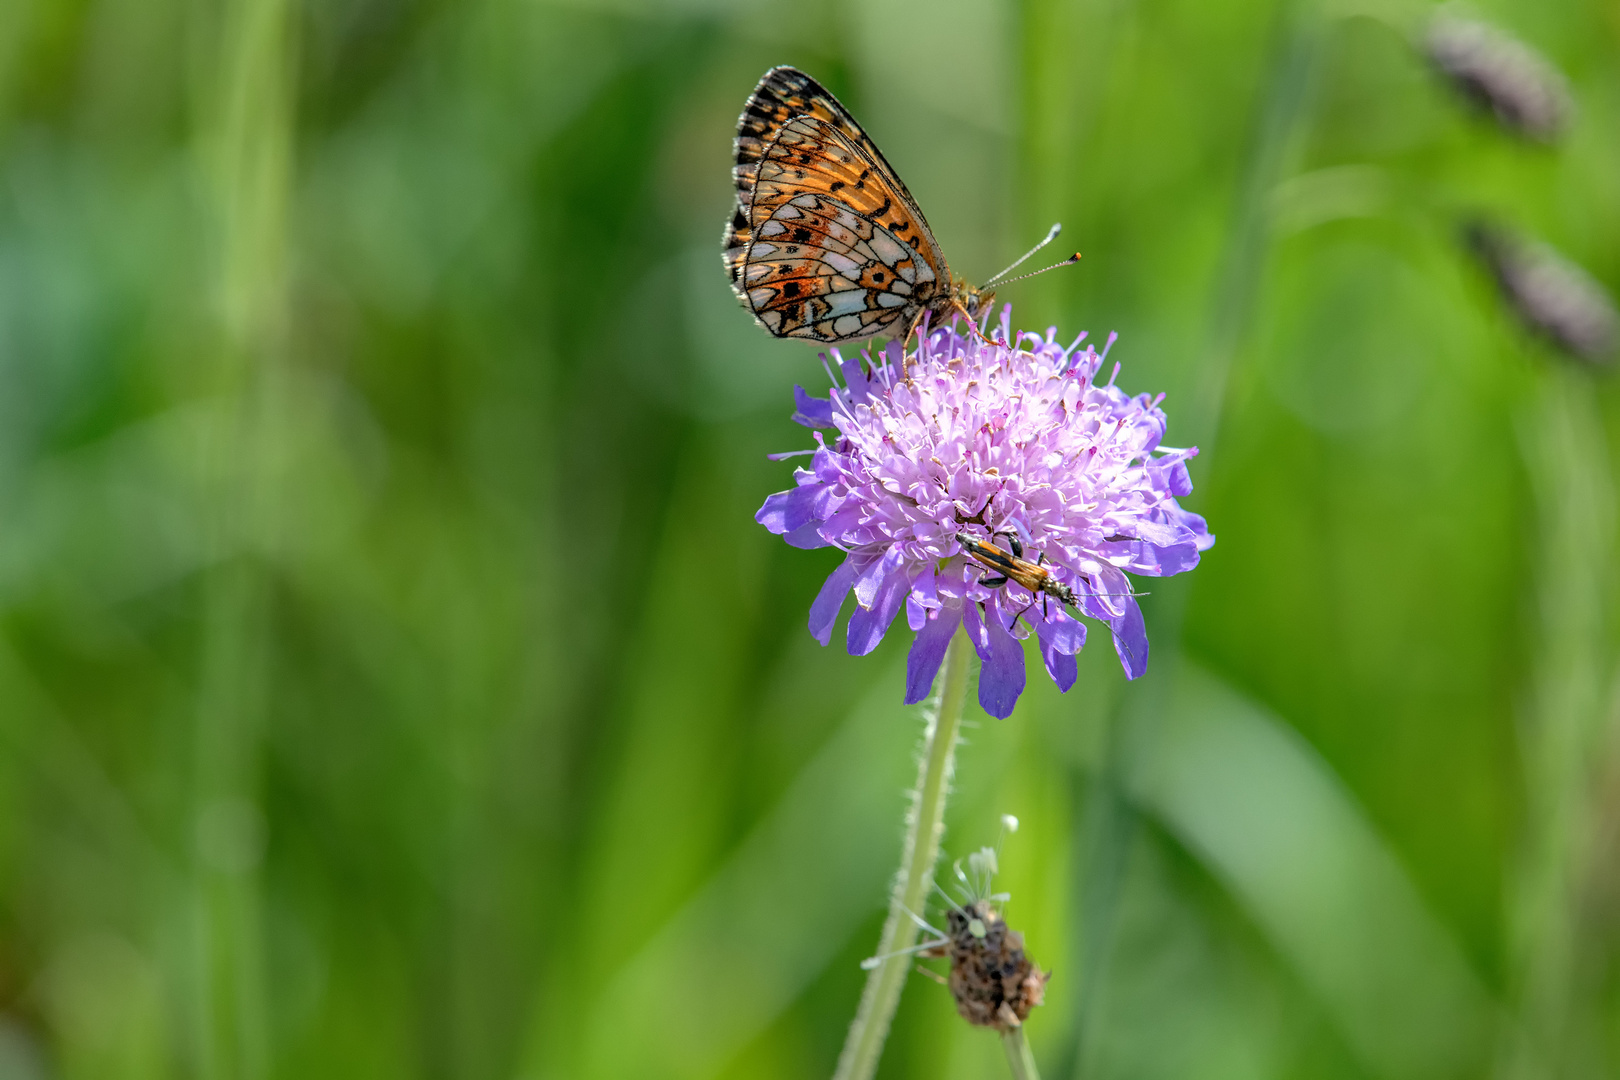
x,y
1527,95
994,982
1549,294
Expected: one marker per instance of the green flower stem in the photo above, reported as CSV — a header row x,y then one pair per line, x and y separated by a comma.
x,y
925,824
1019,1057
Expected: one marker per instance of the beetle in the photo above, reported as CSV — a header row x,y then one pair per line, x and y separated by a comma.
x,y
1014,567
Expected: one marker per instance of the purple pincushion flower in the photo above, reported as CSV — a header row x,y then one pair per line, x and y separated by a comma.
x,y
966,436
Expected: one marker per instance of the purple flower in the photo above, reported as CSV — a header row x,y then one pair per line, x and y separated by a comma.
x,y
965,436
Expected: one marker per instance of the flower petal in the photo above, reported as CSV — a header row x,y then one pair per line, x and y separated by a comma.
x,y
928,652
787,510
830,600
812,412
868,624
1060,665
1058,630
923,589
1194,523
876,573
1130,640
807,536
1167,476
1001,678
974,623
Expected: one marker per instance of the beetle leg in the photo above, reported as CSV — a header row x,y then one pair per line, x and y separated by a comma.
x,y
1013,542
1018,613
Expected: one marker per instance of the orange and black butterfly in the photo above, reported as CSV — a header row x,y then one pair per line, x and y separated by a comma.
x,y
825,242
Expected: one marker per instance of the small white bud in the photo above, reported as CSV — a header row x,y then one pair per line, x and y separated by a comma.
x,y
1009,822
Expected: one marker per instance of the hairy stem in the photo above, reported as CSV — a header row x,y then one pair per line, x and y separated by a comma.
x,y
925,824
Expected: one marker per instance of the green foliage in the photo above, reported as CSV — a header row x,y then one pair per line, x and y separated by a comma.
x,y
394,683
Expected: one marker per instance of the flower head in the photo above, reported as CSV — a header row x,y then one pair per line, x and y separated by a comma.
x,y
992,441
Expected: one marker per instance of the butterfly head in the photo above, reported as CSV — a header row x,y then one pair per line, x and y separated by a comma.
x,y
971,299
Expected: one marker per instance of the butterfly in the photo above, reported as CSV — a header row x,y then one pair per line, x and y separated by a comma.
x,y
825,243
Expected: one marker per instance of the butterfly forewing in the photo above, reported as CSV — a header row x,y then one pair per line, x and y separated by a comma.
x,y
812,155
825,264
781,95
825,242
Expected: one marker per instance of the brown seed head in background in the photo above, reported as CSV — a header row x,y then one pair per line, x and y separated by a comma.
x,y
994,982
1526,94
1549,294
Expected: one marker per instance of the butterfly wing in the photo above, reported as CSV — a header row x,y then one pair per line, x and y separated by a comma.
x,y
836,253
782,96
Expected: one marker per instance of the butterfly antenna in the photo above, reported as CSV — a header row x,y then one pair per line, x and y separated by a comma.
x,y
1070,261
1051,235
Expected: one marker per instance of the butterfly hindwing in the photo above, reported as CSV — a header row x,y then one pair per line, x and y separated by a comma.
x,y
818,270
836,254
781,95
824,242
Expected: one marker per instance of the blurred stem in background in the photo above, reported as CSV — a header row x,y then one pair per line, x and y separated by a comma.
x,y
1563,733
245,139
925,825
1104,835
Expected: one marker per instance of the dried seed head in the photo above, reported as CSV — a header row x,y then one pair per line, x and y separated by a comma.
x,y
1549,294
994,982
1527,95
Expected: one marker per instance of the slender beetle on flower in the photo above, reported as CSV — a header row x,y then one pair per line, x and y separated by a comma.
x,y
941,456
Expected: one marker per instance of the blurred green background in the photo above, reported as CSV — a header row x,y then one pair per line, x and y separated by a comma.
x,y
394,683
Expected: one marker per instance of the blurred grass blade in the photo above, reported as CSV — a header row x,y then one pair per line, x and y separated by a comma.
x,y
1104,842
1552,919
1269,819
772,916
247,148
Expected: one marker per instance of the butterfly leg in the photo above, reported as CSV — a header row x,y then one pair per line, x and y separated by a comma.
x,y
911,328
972,322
